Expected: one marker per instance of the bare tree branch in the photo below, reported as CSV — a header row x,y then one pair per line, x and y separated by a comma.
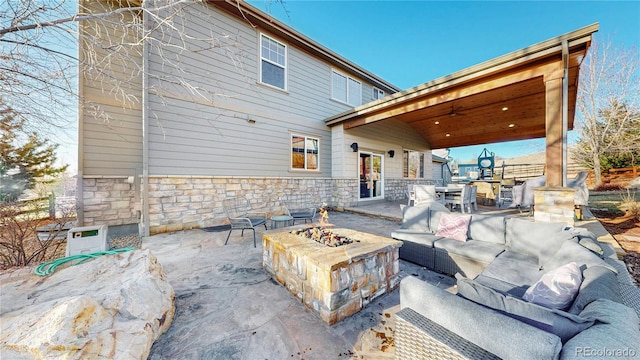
x,y
39,52
608,104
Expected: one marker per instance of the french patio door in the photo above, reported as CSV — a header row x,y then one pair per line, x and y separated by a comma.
x,y
371,175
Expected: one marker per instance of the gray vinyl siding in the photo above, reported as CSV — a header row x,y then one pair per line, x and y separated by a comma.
x,y
378,138
210,135
436,170
111,128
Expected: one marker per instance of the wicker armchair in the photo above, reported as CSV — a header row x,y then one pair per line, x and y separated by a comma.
x,y
241,216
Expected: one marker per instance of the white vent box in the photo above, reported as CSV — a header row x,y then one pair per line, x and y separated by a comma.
x,y
86,240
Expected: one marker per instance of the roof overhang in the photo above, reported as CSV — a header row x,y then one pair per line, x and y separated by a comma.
x,y
498,100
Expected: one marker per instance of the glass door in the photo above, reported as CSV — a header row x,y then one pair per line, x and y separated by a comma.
x,y
371,179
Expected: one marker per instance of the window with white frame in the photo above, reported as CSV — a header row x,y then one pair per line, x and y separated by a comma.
x,y
346,89
273,62
377,94
413,166
305,151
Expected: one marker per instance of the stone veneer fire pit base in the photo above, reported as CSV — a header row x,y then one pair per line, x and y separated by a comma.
x,y
335,282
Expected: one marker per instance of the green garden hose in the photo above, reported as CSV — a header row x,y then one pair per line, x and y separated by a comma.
x,y
50,266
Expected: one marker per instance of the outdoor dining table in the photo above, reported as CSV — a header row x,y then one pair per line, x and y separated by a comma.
x,y
442,191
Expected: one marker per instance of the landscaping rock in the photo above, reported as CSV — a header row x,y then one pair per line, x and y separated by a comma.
x,y
113,307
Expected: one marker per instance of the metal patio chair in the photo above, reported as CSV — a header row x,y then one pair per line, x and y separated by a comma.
x,y
241,216
301,209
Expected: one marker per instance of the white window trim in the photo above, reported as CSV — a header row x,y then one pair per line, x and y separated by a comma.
x,y
380,93
286,62
316,137
424,165
347,88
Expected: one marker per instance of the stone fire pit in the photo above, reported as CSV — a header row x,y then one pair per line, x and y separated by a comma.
x,y
335,282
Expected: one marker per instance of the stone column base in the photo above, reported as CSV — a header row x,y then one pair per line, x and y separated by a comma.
x,y
555,204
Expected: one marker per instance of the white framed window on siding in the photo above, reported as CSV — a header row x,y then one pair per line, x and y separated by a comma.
x,y
377,94
305,152
413,164
273,62
346,89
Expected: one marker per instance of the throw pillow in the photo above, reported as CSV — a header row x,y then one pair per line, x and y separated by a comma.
x,y
453,226
560,323
557,288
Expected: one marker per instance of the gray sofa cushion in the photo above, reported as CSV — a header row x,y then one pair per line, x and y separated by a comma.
x,y
572,251
479,250
488,228
498,334
592,245
415,218
597,283
560,323
419,237
588,240
615,334
511,273
539,239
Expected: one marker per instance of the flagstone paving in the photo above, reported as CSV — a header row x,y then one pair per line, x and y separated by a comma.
x,y
228,307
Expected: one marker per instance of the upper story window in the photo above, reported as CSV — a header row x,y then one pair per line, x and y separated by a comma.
x,y
413,166
377,94
273,62
304,152
345,89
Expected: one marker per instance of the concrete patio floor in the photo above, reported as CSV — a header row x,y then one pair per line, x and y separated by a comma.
x,y
228,307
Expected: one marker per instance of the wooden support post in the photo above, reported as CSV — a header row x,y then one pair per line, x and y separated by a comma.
x,y
554,158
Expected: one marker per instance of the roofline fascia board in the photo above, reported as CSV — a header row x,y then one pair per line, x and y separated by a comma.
x,y
436,85
248,12
516,58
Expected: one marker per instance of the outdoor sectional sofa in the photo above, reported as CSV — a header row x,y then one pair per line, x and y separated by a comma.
x,y
525,290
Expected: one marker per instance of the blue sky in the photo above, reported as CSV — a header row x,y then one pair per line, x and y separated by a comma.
x,y
411,42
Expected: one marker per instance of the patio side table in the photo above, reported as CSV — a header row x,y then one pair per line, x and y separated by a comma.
x,y
281,221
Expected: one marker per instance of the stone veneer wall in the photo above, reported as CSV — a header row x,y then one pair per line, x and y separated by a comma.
x,y
109,201
178,203
396,188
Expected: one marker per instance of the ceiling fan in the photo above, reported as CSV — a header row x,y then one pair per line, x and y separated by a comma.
x,y
456,111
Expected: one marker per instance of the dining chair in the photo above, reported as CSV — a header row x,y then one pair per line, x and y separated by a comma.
x,y
461,199
411,195
505,194
424,194
473,198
